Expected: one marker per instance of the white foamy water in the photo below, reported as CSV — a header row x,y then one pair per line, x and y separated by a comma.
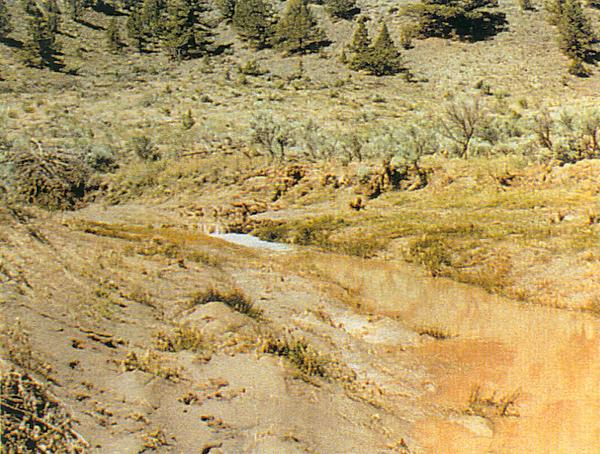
x,y
251,241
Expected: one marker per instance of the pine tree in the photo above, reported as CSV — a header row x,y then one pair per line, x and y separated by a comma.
x,y
384,57
5,20
343,9
52,15
297,30
136,29
253,21
41,48
113,37
380,58
575,31
179,37
358,49
466,19
152,15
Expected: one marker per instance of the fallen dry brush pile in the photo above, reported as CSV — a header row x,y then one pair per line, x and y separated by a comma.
x,y
32,420
53,178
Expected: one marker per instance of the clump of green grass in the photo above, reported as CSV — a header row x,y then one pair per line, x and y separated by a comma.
x,y
298,352
176,251
320,232
491,274
234,298
305,232
431,252
359,246
180,338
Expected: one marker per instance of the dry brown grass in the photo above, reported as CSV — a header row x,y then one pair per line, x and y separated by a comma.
x,y
436,332
16,346
155,439
493,404
32,419
297,351
179,338
152,363
234,298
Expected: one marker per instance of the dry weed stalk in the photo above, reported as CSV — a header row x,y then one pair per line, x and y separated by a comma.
x,y
32,419
52,178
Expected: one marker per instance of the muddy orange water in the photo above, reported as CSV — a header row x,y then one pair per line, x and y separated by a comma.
x,y
551,357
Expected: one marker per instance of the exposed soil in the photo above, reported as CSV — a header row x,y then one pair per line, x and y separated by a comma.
x,y
403,353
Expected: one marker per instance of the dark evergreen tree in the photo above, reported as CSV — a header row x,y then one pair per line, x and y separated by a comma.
x,y
179,38
358,50
253,20
40,49
52,15
575,31
465,19
135,28
297,29
5,20
383,57
113,37
152,18
343,9
31,8
380,58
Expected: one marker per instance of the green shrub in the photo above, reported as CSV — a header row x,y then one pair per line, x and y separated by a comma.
x,y
526,5
5,20
252,68
144,148
187,120
226,8
577,68
101,158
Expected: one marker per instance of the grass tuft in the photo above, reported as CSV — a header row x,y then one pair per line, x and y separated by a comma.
x,y
234,298
431,252
180,338
16,346
435,332
152,363
298,352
